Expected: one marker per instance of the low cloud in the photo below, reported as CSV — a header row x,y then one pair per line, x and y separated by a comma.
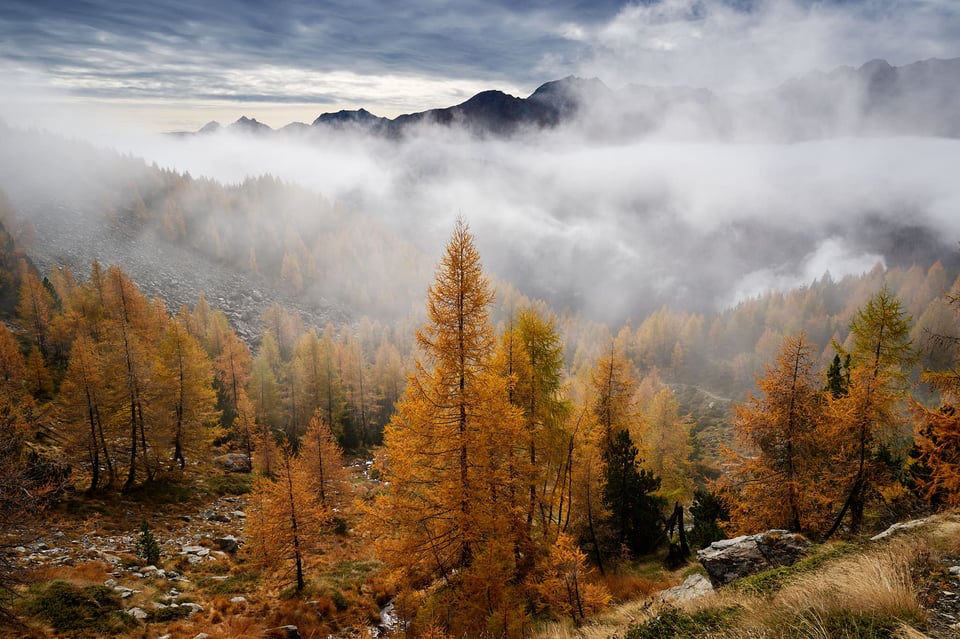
x,y
616,230
747,46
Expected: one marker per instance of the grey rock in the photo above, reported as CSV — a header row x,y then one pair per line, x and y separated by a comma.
x,y
238,600
137,613
954,570
732,559
282,632
898,528
227,543
233,462
696,585
193,607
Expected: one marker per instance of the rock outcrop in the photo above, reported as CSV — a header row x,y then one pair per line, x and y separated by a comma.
x,y
750,554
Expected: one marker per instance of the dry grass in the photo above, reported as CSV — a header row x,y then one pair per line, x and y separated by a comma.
x,y
855,595
81,573
626,587
875,583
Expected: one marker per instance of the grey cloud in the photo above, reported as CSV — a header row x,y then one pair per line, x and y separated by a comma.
x,y
103,40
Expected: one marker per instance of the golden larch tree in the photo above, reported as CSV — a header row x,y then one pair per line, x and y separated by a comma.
x,y
867,422
323,459
187,401
777,479
286,520
81,411
452,457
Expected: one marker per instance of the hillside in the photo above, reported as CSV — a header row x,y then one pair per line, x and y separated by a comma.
x,y
902,586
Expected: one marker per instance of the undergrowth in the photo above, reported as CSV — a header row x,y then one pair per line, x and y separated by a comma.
x,y
771,581
674,623
76,609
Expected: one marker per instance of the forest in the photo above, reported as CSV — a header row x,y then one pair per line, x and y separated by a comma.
x,y
491,464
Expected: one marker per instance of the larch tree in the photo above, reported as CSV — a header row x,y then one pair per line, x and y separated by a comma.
x,y
323,460
667,446
566,585
778,479
35,309
263,389
938,431
81,407
129,367
286,520
188,400
612,388
531,355
232,366
307,392
867,422
12,367
356,386
389,381
451,457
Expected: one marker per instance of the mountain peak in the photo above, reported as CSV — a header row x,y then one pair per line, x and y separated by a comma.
x,y
345,116
249,124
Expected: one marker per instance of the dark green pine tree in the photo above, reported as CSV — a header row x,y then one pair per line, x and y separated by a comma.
x,y
838,377
636,516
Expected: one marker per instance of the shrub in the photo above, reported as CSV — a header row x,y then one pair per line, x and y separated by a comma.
x,y
235,584
70,608
230,484
674,623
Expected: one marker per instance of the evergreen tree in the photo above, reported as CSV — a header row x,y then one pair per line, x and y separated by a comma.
x,y
636,514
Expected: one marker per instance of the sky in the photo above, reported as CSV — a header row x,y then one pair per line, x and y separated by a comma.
x,y
618,223
176,64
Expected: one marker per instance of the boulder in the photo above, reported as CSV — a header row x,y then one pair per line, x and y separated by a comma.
x,y
731,559
233,462
283,632
227,543
696,585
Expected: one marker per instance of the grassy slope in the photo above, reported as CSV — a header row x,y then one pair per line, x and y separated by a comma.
x,y
897,588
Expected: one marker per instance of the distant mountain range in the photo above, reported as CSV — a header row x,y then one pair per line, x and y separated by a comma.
x,y
922,98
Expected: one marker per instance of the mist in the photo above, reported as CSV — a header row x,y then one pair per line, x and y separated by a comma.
x,y
657,193
616,230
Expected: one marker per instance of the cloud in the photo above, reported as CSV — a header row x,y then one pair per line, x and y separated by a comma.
x,y
726,47
615,227
424,53
618,230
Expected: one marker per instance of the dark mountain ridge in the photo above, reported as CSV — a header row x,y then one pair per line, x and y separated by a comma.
x,y
873,99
